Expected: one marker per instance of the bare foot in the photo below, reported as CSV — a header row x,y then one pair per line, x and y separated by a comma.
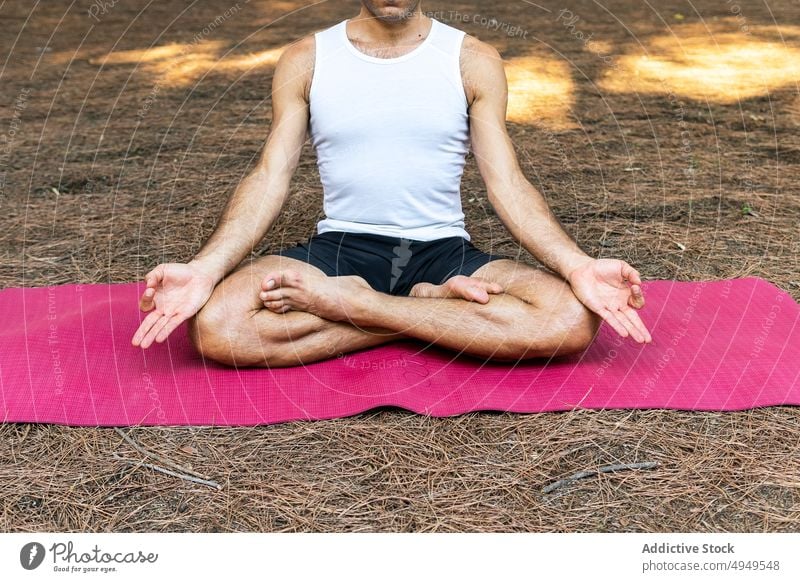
x,y
461,287
329,297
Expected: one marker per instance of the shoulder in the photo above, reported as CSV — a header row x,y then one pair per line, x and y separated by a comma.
x,y
481,68
476,50
299,54
296,64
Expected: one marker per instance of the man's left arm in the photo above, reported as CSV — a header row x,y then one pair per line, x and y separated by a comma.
x,y
609,287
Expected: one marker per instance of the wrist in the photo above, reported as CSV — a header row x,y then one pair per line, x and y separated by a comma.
x,y
214,272
575,265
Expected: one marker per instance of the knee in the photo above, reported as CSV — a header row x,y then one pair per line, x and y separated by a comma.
x,y
579,327
210,331
570,328
223,331
227,333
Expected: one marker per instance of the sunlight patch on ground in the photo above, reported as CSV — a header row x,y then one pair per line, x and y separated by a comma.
x,y
599,47
541,91
721,66
156,54
179,65
244,62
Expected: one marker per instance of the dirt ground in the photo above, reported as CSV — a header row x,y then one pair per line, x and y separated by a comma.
x,y
663,135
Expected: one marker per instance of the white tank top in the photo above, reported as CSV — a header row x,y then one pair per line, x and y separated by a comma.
x,y
391,136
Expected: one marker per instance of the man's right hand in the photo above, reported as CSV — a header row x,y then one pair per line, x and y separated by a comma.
x,y
176,291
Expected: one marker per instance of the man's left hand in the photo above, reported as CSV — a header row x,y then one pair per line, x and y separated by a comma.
x,y
612,289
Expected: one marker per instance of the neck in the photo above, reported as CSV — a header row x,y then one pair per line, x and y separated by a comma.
x,y
390,31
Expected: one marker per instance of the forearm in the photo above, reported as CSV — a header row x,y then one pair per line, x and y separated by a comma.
x,y
248,215
529,219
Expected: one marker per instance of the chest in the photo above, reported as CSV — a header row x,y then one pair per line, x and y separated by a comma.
x,y
401,102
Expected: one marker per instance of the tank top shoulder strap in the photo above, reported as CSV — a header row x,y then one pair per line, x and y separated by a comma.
x,y
448,39
329,40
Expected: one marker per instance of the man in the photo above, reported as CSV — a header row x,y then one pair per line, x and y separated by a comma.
x,y
392,100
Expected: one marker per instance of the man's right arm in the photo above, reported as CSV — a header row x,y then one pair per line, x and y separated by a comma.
x,y
257,201
176,291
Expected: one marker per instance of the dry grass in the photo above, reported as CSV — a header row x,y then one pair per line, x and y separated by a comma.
x,y
390,470
95,193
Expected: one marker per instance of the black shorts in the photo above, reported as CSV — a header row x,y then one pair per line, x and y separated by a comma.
x,y
390,265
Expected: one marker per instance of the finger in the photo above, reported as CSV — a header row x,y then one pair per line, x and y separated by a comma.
x,y
612,320
157,327
636,300
275,306
631,274
145,327
173,322
146,302
152,280
633,330
155,277
637,321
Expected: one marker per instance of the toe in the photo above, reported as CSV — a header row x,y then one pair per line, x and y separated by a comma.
x,y
478,294
271,281
282,279
416,291
488,286
276,295
275,306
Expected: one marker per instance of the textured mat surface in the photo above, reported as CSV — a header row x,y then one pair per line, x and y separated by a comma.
x,y
66,358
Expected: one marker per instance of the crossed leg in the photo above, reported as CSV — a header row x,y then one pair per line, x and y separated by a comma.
x,y
304,316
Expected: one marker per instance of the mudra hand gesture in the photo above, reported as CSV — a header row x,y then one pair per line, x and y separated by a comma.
x,y
612,289
174,293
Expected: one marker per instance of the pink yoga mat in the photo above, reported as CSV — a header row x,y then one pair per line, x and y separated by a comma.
x,y
66,358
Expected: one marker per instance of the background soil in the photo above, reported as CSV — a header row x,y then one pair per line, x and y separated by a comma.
x,y
116,157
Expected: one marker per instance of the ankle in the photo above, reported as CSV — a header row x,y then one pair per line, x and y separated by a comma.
x,y
365,306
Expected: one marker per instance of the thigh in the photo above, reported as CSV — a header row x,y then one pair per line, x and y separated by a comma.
x,y
534,285
235,328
